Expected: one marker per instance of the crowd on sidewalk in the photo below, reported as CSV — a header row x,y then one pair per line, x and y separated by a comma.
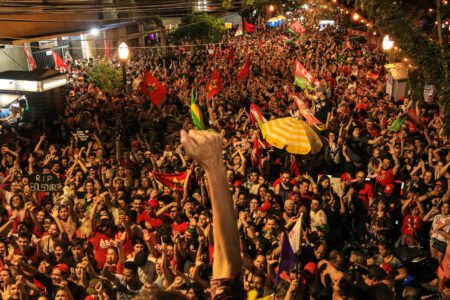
x,y
373,200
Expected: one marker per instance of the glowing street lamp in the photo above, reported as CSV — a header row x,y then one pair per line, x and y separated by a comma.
x,y
356,16
271,8
124,52
387,44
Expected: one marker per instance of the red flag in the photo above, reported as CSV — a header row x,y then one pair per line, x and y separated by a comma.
x,y
353,32
412,114
256,116
230,55
153,89
255,155
31,63
297,28
172,180
108,49
245,70
214,85
59,62
308,114
249,27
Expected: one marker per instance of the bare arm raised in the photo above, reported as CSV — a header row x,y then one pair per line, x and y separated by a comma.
x,y
206,148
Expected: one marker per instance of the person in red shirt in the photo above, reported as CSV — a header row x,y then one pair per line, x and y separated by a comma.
x,y
363,189
413,213
102,234
386,175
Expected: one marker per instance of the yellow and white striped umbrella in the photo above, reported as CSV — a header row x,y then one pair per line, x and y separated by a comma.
x,y
294,135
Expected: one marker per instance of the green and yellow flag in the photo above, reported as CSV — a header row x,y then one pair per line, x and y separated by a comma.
x,y
196,112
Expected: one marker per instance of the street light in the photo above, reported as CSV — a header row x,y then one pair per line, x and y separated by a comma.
x,y
271,8
356,16
123,56
387,44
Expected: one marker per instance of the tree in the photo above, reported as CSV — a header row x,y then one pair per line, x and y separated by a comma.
x,y
431,58
106,75
199,26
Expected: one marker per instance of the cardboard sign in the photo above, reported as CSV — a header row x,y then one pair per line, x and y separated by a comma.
x,y
44,182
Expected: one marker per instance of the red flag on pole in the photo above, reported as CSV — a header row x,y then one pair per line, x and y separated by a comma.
x,y
230,55
153,89
256,116
249,27
255,155
214,85
297,28
108,49
245,70
31,63
59,62
172,180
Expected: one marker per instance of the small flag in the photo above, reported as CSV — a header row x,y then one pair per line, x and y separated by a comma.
x,y
303,78
107,49
245,70
249,27
153,89
172,180
255,155
230,55
397,124
31,63
287,257
412,114
297,28
256,116
214,85
196,113
295,236
307,114
59,63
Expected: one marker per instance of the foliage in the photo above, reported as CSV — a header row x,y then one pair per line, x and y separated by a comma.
x,y
199,26
106,75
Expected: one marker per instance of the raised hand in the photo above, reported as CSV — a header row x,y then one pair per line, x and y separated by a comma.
x,y
204,147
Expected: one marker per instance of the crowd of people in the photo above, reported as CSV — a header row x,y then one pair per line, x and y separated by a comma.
x,y
374,202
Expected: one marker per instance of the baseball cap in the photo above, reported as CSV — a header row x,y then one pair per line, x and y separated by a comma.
x,y
310,267
153,203
265,206
346,177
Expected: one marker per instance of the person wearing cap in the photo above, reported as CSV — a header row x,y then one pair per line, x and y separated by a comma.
x,y
59,276
103,231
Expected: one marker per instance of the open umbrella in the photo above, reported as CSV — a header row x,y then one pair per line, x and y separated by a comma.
x,y
294,135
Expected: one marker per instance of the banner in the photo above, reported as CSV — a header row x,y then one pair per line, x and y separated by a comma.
x,y
31,63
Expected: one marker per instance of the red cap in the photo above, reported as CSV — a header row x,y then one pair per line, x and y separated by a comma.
x,y
153,203
134,143
63,268
389,188
346,177
310,267
265,206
